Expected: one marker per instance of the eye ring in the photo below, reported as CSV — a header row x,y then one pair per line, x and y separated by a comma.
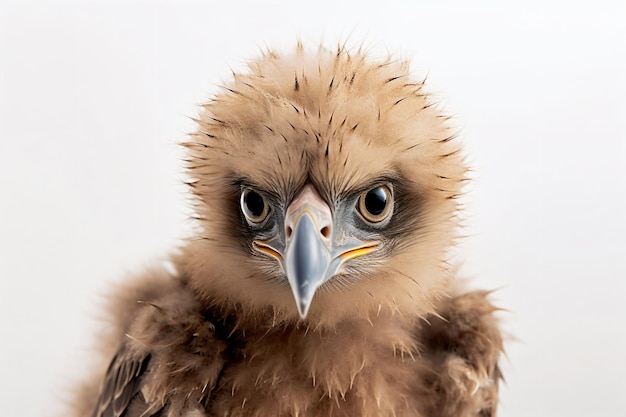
x,y
254,206
376,204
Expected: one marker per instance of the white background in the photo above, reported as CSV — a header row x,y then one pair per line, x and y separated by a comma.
x,y
94,97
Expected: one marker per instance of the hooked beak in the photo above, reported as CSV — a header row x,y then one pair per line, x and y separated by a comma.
x,y
311,256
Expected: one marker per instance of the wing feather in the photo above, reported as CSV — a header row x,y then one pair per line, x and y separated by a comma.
x,y
122,384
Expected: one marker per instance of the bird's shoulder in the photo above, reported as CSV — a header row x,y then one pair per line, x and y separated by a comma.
x,y
169,357
462,344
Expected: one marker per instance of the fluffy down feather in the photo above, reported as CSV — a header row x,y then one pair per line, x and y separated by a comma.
x,y
386,337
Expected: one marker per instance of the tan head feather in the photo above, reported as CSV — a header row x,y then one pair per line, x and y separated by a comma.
x,y
338,120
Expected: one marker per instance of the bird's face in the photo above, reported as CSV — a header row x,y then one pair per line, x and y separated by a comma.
x,y
337,185
312,241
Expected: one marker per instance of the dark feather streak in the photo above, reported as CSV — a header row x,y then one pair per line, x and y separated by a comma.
x,y
387,81
447,139
294,107
223,123
450,154
399,101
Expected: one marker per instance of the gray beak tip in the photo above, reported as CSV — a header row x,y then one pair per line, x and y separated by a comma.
x,y
303,303
303,309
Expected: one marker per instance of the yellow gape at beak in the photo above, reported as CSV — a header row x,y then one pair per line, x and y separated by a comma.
x,y
314,247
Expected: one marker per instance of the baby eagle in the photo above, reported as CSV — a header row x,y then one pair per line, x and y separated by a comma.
x,y
317,283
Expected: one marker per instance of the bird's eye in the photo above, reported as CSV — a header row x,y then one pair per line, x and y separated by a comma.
x,y
254,206
375,205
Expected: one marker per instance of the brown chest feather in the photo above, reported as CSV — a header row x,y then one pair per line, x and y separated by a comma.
x,y
190,364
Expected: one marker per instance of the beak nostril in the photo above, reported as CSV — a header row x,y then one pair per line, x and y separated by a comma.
x,y
325,232
289,231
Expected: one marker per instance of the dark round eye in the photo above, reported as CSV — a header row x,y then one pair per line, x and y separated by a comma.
x,y
254,206
375,205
